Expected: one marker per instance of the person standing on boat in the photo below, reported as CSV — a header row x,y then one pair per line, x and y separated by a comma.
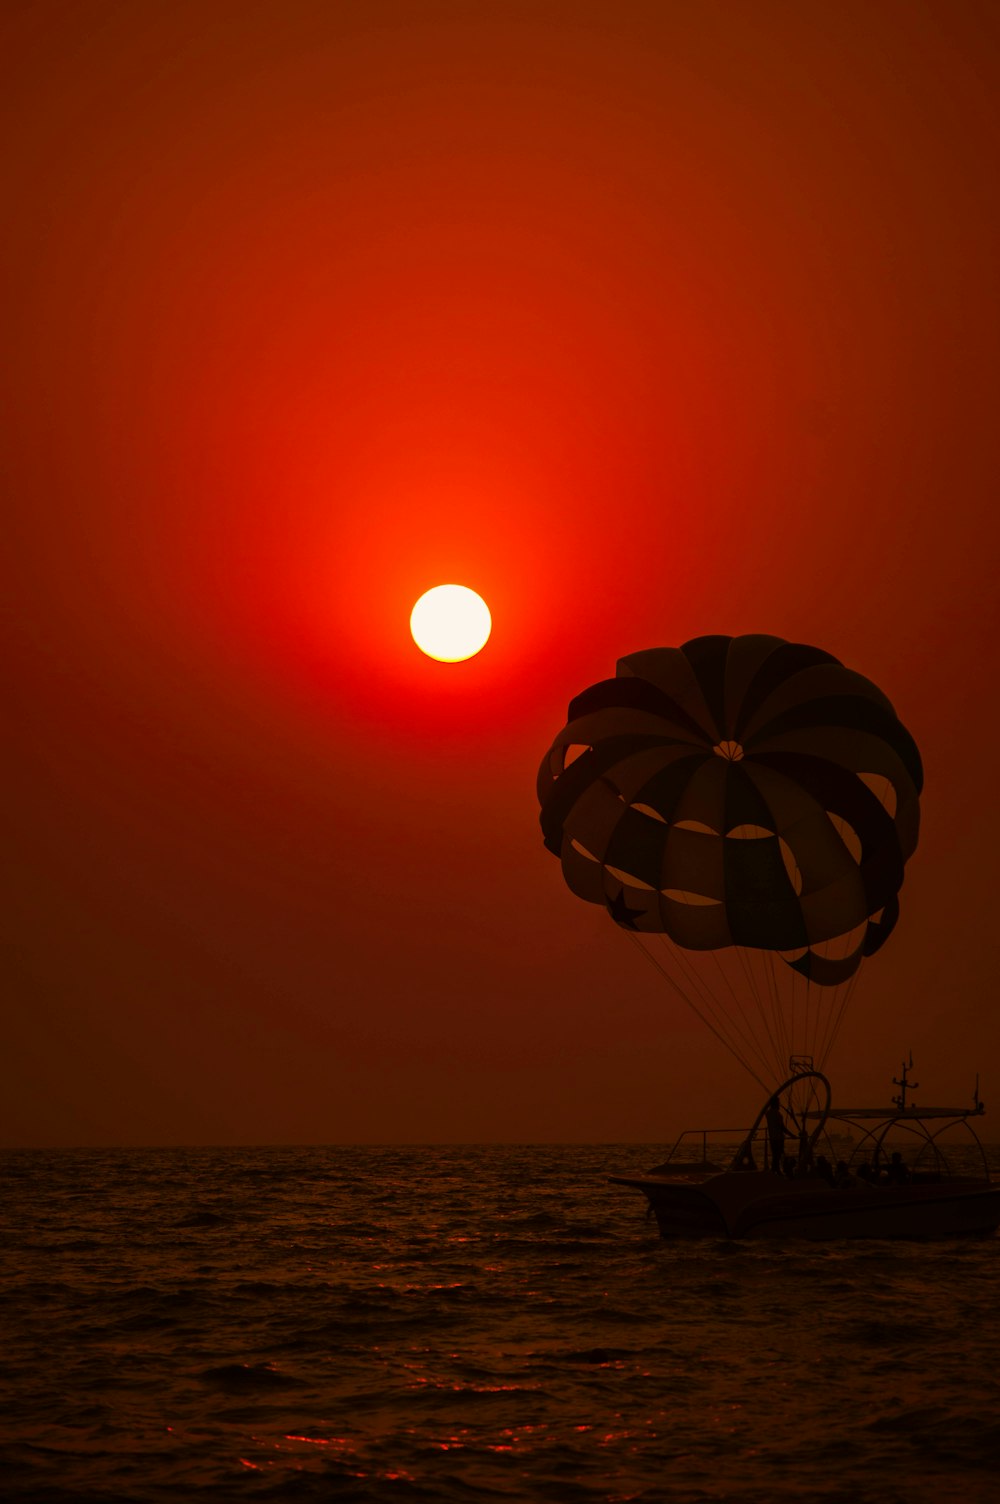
x,y
775,1134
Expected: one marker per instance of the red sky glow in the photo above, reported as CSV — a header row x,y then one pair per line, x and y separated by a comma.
x,y
642,320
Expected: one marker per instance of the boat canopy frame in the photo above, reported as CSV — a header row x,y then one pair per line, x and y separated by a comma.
x,y
915,1121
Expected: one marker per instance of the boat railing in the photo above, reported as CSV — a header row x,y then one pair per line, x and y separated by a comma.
x,y
685,1148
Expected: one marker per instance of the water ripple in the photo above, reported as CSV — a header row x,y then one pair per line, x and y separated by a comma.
x,y
459,1324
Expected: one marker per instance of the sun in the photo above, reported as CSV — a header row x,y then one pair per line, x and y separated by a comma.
x,y
450,623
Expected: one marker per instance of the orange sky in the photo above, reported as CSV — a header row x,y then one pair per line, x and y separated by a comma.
x,y
644,320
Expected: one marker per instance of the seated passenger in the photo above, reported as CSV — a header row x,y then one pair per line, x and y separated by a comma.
x,y
843,1179
824,1168
897,1172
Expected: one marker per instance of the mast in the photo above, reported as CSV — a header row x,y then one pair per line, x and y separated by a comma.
x,y
904,1083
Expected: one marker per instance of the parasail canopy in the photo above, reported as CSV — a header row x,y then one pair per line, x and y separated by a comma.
x,y
739,795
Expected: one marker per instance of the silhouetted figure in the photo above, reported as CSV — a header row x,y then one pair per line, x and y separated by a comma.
x,y
864,1172
824,1169
842,1177
788,1165
775,1134
897,1173
744,1158
805,1152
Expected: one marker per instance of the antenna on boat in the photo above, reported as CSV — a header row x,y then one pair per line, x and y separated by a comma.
x,y
979,1106
905,1084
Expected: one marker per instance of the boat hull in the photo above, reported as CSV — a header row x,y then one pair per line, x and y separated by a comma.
x,y
762,1205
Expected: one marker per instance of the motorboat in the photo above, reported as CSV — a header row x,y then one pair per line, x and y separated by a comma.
x,y
851,1172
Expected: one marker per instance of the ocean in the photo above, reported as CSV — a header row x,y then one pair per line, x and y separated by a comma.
x,y
467,1324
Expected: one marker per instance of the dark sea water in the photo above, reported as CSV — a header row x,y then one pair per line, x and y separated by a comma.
x,y
462,1324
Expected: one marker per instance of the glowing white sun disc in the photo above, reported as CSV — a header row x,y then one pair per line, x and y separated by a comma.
x,y
450,623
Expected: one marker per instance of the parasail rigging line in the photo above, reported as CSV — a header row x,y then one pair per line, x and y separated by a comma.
x,y
738,1002
777,1013
751,981
840,997
694,1008
837,1018
771,976
723,1024
791,1002
711,1003
774,1002
848,997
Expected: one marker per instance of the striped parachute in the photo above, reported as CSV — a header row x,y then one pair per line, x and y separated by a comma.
x,y
749,799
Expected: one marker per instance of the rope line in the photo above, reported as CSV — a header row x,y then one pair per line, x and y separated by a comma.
x,y
751,982
680,992
848,998
724,1023
747,1023
770,972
